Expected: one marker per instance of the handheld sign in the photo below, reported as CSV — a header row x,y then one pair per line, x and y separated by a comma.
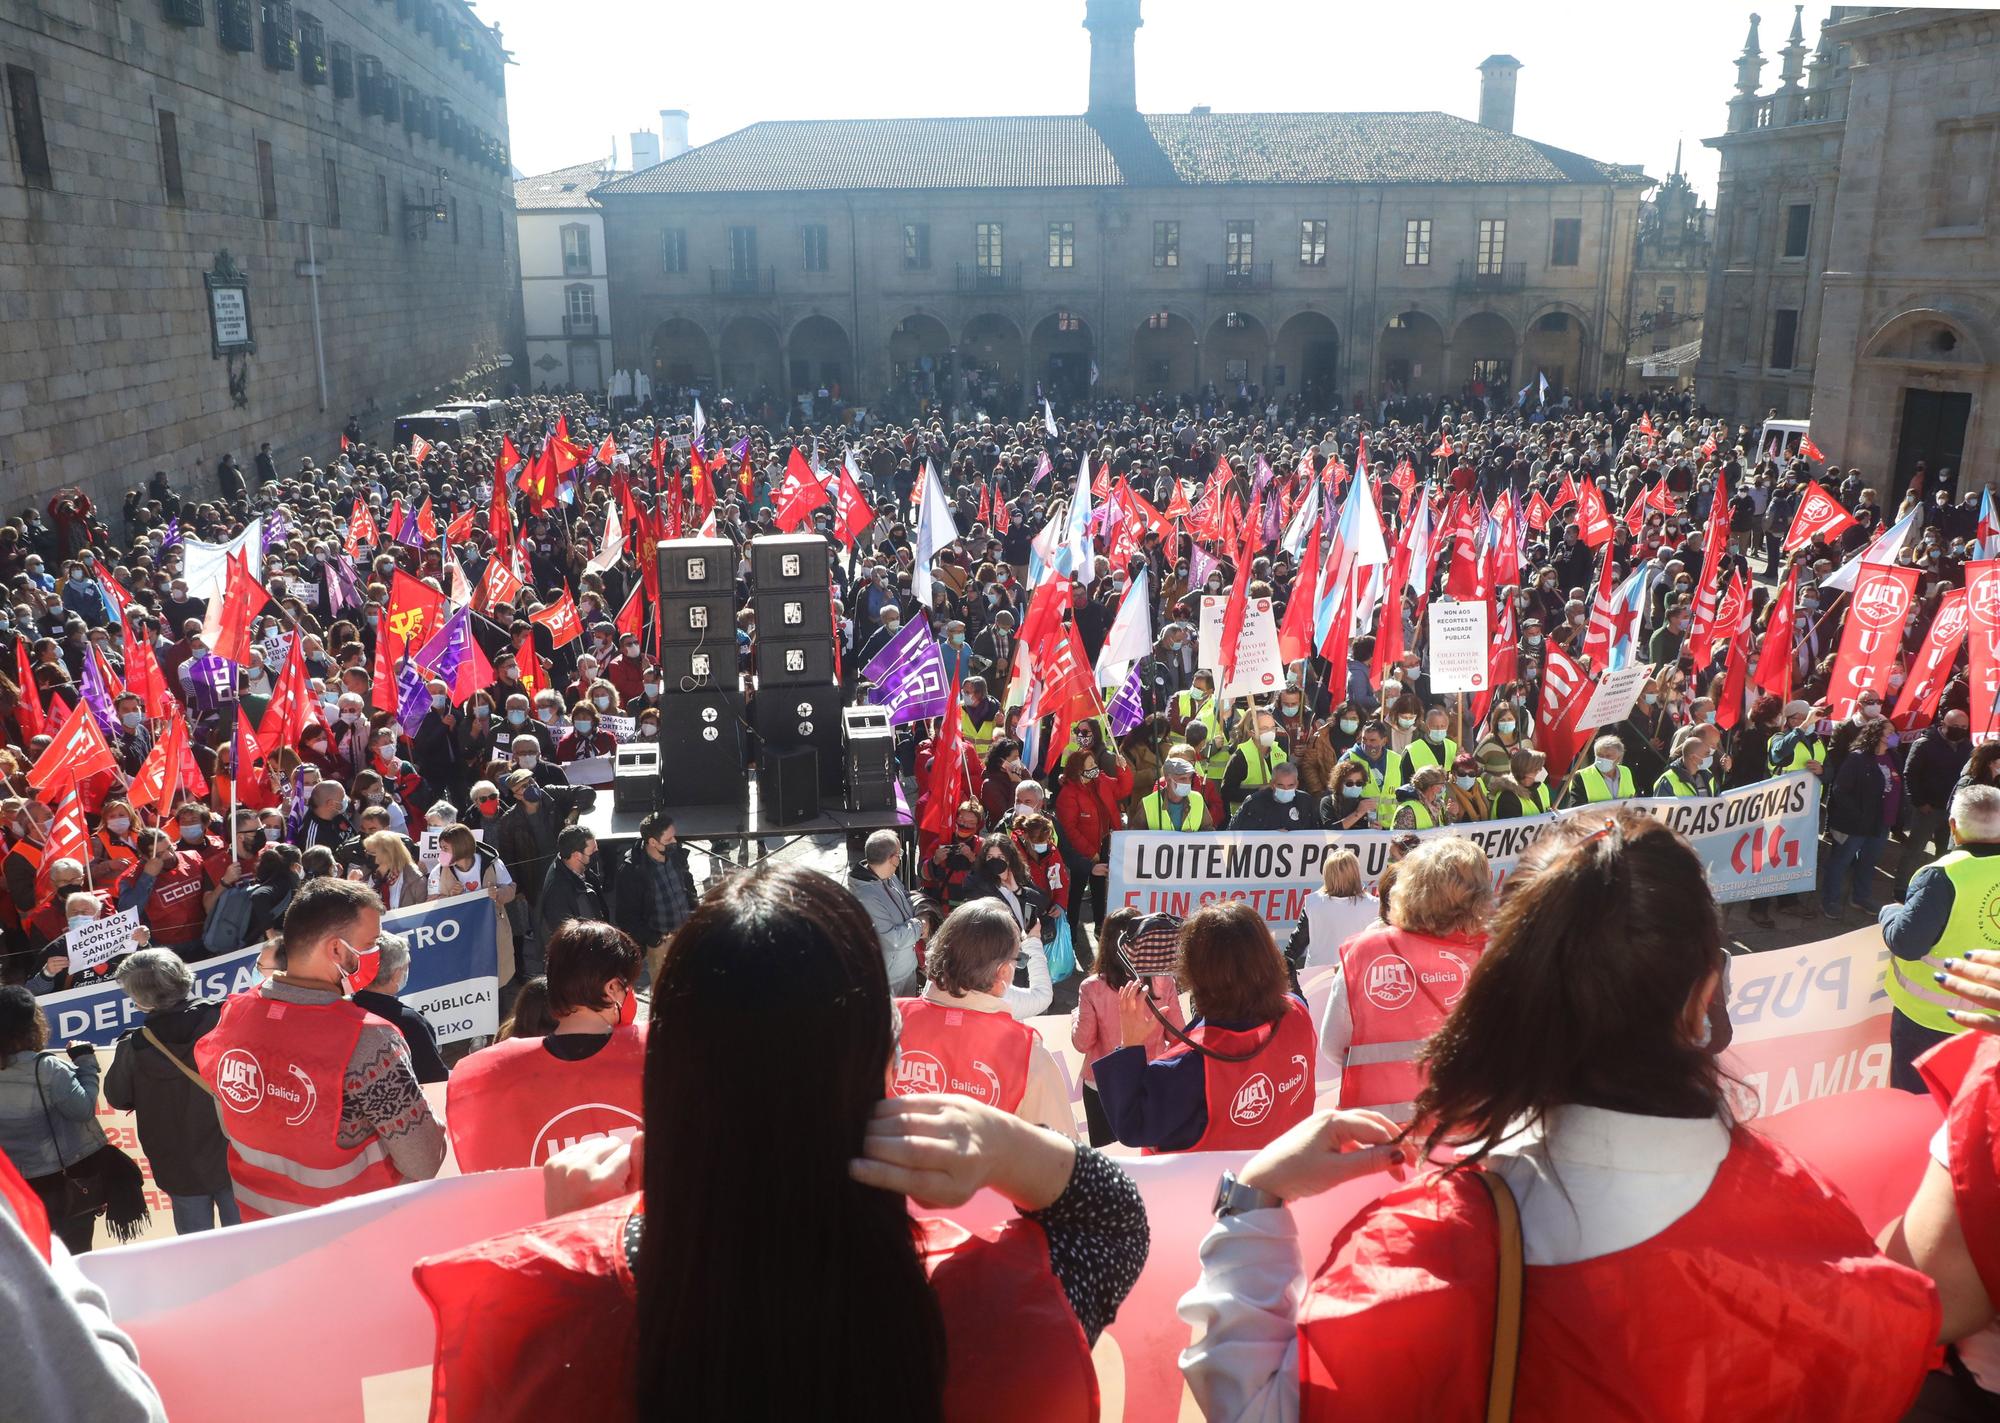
x,y
95,944
1458,647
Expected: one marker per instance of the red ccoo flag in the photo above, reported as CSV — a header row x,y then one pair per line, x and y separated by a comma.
x,y
28,704
798,496
69,839
1810,450
560,618
76,752
1774,659
243,598
851,513
1594,524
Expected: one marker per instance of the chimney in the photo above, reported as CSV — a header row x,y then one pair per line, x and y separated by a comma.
x,y
645,150
1496,92
1114,85
673,133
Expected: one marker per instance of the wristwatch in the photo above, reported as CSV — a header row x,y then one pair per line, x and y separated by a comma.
x,y
1232,1197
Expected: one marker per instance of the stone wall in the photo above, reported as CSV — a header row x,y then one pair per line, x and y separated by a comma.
x,y
106,366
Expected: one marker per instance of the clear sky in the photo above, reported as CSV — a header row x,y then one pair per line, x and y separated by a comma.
x,y
1618,81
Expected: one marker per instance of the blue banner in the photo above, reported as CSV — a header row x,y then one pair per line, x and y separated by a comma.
x,y
454,978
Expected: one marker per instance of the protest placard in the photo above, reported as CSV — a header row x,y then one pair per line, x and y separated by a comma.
x,y
96,943
1458,646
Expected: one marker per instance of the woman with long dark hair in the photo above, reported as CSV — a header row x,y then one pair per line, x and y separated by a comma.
x,y
771,1269
1679,1266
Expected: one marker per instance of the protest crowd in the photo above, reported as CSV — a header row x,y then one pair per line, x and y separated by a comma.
x,y
253,715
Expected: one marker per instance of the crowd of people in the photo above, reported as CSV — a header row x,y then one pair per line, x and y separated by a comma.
x,y
265,718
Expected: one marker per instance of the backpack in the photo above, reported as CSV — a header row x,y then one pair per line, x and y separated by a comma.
x,y
228,926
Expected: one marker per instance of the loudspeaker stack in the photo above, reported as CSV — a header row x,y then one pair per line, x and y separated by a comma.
x,y
702,761
798,697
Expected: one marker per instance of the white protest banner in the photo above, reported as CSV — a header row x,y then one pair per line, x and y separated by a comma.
x,y
622,728
1611,700
589,771
1458,646
1259,668
1810,1021
206,565
306,590
1755,841
95,944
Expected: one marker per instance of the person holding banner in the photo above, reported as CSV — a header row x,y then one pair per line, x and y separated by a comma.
x,y
650,1296
519,1102
1349,802
1241,1073
1688,773
1605,778
1678,1266
1863,803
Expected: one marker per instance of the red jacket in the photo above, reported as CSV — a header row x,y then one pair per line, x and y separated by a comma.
x,y
1089,812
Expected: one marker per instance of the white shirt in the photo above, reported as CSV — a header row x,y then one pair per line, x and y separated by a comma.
x,y
1592,1183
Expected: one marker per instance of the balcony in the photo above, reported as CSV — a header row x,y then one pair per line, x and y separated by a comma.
x,y
989,279
1239,277
1504,278
753,281
580,325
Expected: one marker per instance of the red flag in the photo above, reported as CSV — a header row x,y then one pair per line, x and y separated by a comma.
x,y
1444,450
508,458
382,692
420,448
1003,517
1884,598
1635,517
1923,690
659,457
746,477
292,708
416,610
69,839
560,618
247,773
1565,694
1100,483
77,751
1177,503
344,444
1503,558
28,706
496,585
1593,519
143,678
1661,498
672,524
631,619
1565,493
427,528
945,786
243,598
1601,631
1646,425
460,528
607,452
1819,516
1982,644
159,772
798,496
1810,450
985,511
704,485
1702,626
851,513
1736,664
1295,633
1774,661
1503,656
1539,512
562,455
500,513
361,529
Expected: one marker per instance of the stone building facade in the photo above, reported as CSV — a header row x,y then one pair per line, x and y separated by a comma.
x,y
1669,277
565,288
1336,254
348,161
1856,277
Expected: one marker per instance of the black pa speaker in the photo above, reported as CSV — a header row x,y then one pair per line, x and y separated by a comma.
x,y
788,718
870,746
788,786
696,566
794,613
792,662
788,561
699,618
695,667
701,749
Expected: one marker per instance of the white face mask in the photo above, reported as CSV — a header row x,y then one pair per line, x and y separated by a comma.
x,y
527,760
601,703
118,825
1505,728
648,731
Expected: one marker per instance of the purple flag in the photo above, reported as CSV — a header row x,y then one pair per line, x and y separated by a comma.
x,y
1127,711
447,650
213,681
413,699
908,675
97,695
341,589
1201,563
173,533
276,529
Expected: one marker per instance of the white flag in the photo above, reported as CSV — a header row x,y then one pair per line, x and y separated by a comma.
x,y
936,530
1049,420
1131,635
613,547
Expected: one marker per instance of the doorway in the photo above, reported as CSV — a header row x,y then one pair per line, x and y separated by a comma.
x,y
585,373
1933,434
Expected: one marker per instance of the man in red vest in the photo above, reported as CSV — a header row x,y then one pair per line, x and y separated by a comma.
x,y
318,1098
959,1037
519,1102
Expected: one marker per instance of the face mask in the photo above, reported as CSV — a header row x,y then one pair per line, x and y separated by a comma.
x,y
531,792
517,717
1505,728
1895,681
1703,763
1436,734
546,715
584,728
119,826
439,701
1352,791
1267,738
1406,722
1284,710
130,720
191,834
1535,778
1283,797
1605,766
890,627
1652,698
1044,847
352,718
1091,773
77,921
527,760
601,703
1349,725
648,731
652,689
1391,691
366,963
1465,783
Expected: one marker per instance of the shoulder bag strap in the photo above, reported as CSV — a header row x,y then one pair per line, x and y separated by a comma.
x,y
1507,1306
186,1071
55,1137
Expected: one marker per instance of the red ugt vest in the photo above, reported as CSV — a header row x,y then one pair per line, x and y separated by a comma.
x,y
278,1070
517,1104
1400,989
983,1056
1767,1300
1961,1073
1255,1101
531,1321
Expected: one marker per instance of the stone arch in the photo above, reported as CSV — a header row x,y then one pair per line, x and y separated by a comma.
x,y
1483,348
1308,347
1556,343
917,346
1410,353
1061,351
1237,347
750,357
682,353
1939,335
991,352
1166,353
819,355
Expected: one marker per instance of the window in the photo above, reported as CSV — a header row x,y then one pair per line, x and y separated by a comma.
x,y
281,36
1068,321
812,247
1159,321
1312,242
579,304
368,84
31,145
267,181
1565,241
341,67
742,251
382,203
330,174
1668,295
674,250
1492,245
1798,225
1417,242
987,248
1784,339
916,247
1166,244
1963,178
575,249
170,159
1239,246
236,25
1062,244
312,49
454,221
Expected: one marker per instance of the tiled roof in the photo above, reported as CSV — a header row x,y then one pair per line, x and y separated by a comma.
x,y
1149,150
564,188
